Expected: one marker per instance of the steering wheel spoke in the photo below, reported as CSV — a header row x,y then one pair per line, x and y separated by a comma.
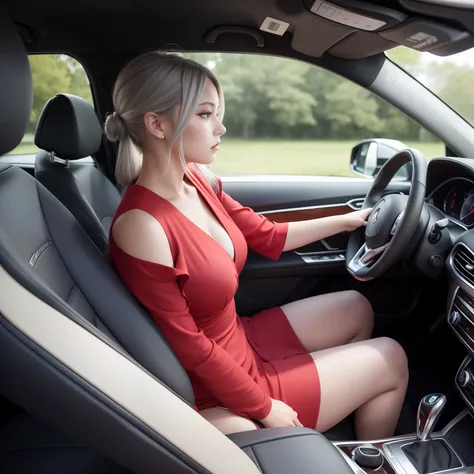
x,y
364,257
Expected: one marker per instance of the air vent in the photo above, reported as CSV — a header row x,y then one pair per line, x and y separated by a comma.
x,y
463,262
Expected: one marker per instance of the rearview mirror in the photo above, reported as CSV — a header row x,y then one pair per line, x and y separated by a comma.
x,y
368,156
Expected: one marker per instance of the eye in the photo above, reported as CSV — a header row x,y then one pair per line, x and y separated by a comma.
x,y
205,114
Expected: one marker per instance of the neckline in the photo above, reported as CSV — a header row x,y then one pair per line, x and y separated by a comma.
x,y
209,205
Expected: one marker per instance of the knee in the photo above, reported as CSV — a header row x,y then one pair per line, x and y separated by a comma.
x,y
396,359
226,421
363,310
236,425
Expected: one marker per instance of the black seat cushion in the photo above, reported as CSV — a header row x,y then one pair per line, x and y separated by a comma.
x,y
68,129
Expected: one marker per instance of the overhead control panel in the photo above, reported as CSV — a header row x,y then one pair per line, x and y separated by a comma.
x,y
394,26
332,12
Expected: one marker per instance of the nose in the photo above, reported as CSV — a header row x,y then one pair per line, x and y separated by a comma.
x,y
220,129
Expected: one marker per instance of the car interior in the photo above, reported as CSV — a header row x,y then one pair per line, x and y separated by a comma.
x,y
88,384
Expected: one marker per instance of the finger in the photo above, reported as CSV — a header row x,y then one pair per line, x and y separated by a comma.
x,y
295,419
298,423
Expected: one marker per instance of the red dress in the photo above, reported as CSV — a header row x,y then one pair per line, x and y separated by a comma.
x,y
233,362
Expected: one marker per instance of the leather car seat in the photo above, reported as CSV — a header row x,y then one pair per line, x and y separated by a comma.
x,y
68,130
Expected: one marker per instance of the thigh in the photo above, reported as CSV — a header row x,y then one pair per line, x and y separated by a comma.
x,y
353,374
226,421
330,320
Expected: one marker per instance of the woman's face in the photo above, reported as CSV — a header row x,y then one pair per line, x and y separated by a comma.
x,y
201,137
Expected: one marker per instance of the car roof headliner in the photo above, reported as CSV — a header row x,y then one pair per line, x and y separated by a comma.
x,y
133,26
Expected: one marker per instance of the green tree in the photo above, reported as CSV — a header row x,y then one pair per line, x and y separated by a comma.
x,y
50,76
268,96
80,84
262,93
457,90
353,112
54,74
289,103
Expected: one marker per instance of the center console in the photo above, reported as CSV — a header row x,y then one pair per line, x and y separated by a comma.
x,y
426,452
304,451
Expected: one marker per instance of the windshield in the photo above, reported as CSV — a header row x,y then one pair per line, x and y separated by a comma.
x,y
450,77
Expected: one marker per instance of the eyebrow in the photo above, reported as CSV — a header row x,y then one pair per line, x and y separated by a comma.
x,y
208,103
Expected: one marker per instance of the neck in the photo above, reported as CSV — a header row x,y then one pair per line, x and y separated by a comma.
x,y
152,175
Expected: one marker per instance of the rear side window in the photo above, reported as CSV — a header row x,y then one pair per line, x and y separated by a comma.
x,y
52,74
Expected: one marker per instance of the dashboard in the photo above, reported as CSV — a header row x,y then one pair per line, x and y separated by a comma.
x,y
450,188
455,198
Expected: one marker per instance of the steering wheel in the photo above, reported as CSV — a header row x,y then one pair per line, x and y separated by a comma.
x,y
392,222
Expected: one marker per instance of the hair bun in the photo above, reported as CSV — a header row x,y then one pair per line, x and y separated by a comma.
x,y
115,128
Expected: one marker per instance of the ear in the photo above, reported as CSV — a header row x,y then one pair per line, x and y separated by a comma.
x,y
155,124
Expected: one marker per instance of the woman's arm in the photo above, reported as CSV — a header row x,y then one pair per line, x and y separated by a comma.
x,y
304,232
272,238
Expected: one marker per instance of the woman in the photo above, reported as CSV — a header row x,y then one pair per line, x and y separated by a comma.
x,y
179,242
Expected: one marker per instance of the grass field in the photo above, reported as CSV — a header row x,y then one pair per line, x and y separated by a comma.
x,y
325,158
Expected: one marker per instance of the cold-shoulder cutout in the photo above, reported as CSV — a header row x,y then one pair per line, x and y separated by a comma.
x,y
140,235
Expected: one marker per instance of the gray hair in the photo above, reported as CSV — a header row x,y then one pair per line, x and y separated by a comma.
x,y
155,82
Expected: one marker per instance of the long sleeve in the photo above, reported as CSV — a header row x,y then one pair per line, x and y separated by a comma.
x,y
262,235
159,289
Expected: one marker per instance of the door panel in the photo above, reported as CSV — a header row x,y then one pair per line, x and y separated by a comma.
x,y
312,212
318,267
267,193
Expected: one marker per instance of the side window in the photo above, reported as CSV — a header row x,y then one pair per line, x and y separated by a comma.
x,y
288,117
52,74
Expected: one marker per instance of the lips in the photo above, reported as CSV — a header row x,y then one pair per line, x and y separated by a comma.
x,y
216,146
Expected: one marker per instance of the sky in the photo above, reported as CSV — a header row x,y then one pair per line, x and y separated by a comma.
x,y
466,58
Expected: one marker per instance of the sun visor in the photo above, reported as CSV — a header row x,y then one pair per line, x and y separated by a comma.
x,y
430,36
365,29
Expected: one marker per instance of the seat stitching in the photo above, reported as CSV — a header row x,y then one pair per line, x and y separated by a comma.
x,y
256,458
102,235
6,169
70,293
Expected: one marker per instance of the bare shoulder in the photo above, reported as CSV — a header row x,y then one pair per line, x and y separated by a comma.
x,y
139,234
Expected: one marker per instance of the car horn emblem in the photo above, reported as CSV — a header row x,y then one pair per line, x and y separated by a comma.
x,y
376,215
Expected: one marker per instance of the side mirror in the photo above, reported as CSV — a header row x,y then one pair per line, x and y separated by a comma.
x,y
368,156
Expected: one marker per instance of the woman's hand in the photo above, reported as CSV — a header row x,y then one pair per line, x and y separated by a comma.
x,y
281,415
356,219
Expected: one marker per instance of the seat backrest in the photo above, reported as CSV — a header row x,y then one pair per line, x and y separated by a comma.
x,y
43,242
68,130
112,391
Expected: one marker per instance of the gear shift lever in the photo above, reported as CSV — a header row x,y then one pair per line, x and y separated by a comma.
x,y
426,454
429,410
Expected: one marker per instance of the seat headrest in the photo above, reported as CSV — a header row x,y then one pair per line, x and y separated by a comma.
x,y
16,89
69,127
